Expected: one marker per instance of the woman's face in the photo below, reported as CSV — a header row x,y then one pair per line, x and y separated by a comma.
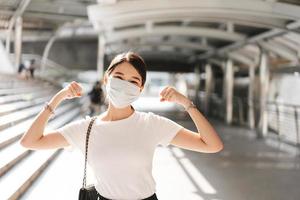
x,y
127,72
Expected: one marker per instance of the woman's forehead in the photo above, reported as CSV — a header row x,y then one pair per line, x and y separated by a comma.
x,y
126,69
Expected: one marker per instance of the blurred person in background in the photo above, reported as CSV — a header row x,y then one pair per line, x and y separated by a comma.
x,y
96,99
21,70
31,68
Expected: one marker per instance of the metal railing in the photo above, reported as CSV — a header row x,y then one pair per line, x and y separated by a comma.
x,y
284,121
283,118
52,72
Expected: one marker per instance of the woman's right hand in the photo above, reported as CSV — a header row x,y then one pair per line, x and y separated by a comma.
x,y
72,90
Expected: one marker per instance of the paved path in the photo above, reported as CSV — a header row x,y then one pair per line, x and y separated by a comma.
x,y
247,169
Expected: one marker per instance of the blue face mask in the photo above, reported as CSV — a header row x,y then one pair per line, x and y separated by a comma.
x,y
121,93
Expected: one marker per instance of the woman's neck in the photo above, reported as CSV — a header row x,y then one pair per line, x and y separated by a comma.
x,y
112,113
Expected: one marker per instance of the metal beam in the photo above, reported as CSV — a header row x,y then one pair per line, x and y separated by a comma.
x,y
239,57
54,17
177,44
175,30
279,50
216,62
58,8
288,43
249,21
269,34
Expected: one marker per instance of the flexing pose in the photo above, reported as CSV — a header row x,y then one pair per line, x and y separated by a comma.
x,y
123,140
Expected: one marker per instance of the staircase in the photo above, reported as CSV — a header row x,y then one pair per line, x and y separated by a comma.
x,y
20,102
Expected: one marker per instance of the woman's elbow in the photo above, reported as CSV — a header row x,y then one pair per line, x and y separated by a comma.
x,y
24,143
219,147
216,148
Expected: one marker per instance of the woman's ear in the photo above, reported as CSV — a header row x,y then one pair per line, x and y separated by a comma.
x,y
141,88
105,79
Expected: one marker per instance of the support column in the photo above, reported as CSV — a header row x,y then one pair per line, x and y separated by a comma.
x,y
264,88
18,13
208,86
251,116
100,56
197,85
18,41
229,79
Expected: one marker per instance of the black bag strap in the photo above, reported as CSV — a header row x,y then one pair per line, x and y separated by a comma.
x,y
86,149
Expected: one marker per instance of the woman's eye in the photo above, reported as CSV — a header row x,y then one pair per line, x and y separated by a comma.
x,y
133,82
118,77
129,81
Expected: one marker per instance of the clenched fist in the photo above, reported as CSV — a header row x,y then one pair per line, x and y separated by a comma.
x,y
170,94
72,90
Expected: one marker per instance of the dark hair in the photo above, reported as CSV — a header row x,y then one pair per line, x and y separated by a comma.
x,y
132,58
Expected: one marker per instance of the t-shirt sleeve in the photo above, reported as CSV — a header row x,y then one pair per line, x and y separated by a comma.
x,y
74,132
164,129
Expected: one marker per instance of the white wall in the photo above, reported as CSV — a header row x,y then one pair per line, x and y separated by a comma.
x,y
6,66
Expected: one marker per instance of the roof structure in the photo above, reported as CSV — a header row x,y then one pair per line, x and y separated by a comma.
x,y
186,32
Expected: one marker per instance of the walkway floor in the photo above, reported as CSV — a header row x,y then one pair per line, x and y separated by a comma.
x,y
246,169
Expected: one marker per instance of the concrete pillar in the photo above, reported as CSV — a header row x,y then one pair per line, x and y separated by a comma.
x,y
264,88
197,85
229,80
7,43
251,116
208,86
100,56
224,81
18,41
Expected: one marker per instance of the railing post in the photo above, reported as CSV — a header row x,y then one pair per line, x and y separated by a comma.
x,y
277,119
296,123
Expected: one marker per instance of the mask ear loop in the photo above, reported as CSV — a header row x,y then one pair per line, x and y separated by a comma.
x,y
132,107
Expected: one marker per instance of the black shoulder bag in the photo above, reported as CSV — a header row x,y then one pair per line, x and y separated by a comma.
x,y
87,192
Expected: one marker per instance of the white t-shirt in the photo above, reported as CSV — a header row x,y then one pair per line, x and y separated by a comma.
x,y
121,152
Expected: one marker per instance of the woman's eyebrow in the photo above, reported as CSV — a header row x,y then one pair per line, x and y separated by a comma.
x,y
132,76
136,78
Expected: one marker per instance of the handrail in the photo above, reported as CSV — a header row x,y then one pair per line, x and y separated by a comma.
x,y
53,71
281,115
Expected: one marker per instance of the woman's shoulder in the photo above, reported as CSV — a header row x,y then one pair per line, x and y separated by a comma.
x,y
82,120
147,115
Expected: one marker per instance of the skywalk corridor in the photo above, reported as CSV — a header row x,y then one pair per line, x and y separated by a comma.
x,y
236,61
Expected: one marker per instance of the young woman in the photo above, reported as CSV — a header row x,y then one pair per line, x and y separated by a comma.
x,y
123,140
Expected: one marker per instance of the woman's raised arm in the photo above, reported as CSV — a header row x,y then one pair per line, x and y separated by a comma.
x,y
34,137
206,139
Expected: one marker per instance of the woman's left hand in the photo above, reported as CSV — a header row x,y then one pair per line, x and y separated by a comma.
x,y
170,94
